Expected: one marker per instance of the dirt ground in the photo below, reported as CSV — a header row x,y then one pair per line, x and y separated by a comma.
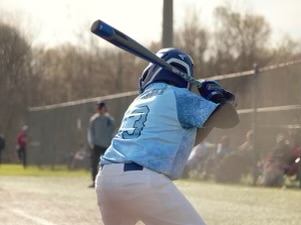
x,y
68,201
47,201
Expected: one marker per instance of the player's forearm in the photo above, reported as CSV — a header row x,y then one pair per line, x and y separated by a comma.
x,y
201,135
225,116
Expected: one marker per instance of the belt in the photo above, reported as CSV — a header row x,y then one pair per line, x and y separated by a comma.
x,y
132,166
129,167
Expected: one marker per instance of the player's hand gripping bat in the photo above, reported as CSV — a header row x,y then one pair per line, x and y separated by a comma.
x,y
126,43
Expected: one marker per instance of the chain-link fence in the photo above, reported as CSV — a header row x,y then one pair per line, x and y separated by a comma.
x,y
57,132
269,101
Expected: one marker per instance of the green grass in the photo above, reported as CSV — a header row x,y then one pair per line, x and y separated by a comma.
x,y
18,170
242,204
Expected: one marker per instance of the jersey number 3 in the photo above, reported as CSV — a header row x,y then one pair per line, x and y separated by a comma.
x,y
137,119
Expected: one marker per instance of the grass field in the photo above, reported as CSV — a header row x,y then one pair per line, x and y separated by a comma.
x,y
61,197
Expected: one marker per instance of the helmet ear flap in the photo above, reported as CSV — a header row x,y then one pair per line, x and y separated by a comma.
x,y
143,77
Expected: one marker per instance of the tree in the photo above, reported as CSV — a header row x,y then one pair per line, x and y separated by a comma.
x,y
240,40
71,73
286,50
15,81
193,38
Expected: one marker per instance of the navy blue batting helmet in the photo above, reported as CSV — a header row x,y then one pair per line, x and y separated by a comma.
x,y
177,58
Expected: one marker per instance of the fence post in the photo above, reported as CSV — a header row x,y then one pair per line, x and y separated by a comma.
x,y
254,125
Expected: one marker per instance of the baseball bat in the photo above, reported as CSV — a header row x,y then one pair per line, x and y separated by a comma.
x,y
128,44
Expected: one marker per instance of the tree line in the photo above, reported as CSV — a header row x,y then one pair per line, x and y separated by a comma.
x,y
39,75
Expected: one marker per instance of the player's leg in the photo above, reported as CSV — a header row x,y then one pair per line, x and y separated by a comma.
x,y
112,200
95,156
24,158
142,194
165,204
111,214
19,154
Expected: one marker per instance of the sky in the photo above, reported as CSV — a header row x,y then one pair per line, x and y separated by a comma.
x,y
52,22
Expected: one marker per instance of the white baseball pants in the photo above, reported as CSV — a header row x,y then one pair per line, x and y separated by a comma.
x,y
126,197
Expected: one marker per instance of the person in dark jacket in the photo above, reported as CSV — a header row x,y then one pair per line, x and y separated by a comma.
x,y
2,146
100,134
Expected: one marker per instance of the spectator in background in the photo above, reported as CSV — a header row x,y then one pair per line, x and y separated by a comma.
x,y
277,162
233,164
2,146
79,159
295,143
248,146
223,148
198,157
21,145
246,152
100,134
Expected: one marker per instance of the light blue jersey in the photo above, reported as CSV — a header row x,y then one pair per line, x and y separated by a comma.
x,y
159,128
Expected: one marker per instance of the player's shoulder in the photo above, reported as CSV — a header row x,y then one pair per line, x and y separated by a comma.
x,y
184,93
109,116
95,116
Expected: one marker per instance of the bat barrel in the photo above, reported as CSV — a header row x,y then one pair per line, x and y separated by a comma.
x,y
95,26
102,29
126,43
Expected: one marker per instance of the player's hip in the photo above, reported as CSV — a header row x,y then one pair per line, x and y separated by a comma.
x,y
128,177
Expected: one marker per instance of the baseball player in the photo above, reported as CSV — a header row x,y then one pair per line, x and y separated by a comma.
x,y
155,138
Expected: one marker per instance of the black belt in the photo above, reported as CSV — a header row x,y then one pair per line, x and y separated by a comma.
x,y
129,167
132,166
